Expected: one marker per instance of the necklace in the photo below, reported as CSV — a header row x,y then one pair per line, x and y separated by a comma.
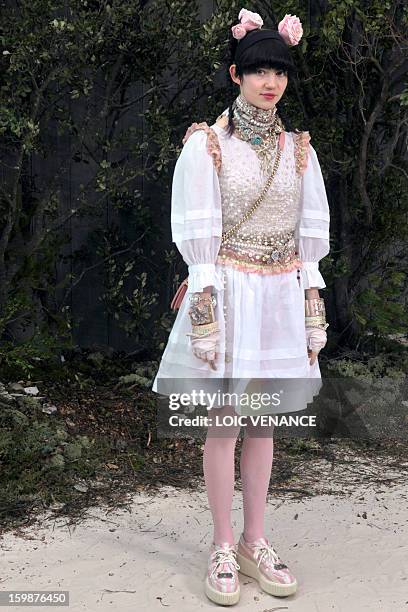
x,y
260,128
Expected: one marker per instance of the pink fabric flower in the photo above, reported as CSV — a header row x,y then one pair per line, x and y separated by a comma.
x,y
250,18
290,28
248,21
238,31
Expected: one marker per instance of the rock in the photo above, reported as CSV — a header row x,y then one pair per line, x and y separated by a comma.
x,y
16,387
82,488
49,408
6,398
31,390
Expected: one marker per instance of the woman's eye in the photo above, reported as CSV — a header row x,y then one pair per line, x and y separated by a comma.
x,y
278,72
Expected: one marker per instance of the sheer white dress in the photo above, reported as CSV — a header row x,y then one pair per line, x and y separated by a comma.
x,y
261,311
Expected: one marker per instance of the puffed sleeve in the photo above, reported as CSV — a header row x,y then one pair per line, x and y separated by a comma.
x,y
196,219
312,230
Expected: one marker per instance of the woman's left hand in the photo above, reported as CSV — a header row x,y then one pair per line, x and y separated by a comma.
x,y
316,340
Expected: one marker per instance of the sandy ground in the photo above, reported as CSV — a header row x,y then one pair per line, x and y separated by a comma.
x,y
349,553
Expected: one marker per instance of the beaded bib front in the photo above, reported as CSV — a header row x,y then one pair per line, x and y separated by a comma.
x,y
265,243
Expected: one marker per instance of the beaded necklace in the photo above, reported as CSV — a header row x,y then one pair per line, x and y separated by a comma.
x,y
260,128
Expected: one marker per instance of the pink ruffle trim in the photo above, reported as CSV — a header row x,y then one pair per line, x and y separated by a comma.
x,y
213,145
302,141
247,267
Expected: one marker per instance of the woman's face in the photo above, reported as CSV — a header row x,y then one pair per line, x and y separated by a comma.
x,y
264,81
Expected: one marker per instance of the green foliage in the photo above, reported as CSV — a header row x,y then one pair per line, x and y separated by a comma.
x,y
375,307
18,360
352,88
103,82
373,386
77,73
387,368
39,457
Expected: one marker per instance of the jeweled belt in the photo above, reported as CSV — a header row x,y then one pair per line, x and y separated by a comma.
x,y
271,254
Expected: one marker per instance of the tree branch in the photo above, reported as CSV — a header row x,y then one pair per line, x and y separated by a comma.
x,y
99,263
362,166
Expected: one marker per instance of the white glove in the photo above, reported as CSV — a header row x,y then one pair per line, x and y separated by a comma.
x,y
204,347
316,339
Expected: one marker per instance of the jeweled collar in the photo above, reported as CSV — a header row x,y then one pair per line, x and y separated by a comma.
x,y
255,117
260,128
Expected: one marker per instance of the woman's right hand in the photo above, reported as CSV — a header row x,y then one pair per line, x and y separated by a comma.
x,y
316,340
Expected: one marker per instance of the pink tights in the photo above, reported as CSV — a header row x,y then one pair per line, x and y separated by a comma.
x,y
219,475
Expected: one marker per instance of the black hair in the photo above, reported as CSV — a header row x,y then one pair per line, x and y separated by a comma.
x,y
267,53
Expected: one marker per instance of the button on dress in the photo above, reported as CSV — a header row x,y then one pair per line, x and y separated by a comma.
x,y
260,308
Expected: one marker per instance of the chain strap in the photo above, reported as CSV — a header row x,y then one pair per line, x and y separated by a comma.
x,y
253,208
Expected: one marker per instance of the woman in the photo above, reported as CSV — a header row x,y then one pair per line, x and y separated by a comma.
x,y
250,218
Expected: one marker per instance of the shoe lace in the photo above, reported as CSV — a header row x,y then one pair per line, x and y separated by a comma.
x,y
224,556
266,552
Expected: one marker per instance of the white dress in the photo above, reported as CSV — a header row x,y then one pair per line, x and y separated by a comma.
x,y
260,310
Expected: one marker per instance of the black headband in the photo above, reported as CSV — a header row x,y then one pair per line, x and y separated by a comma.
x,y
255,36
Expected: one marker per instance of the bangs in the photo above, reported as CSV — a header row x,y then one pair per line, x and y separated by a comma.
x,y
267,53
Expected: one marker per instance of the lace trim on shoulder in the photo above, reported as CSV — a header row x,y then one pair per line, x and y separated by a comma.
x,y
213,145
301,151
